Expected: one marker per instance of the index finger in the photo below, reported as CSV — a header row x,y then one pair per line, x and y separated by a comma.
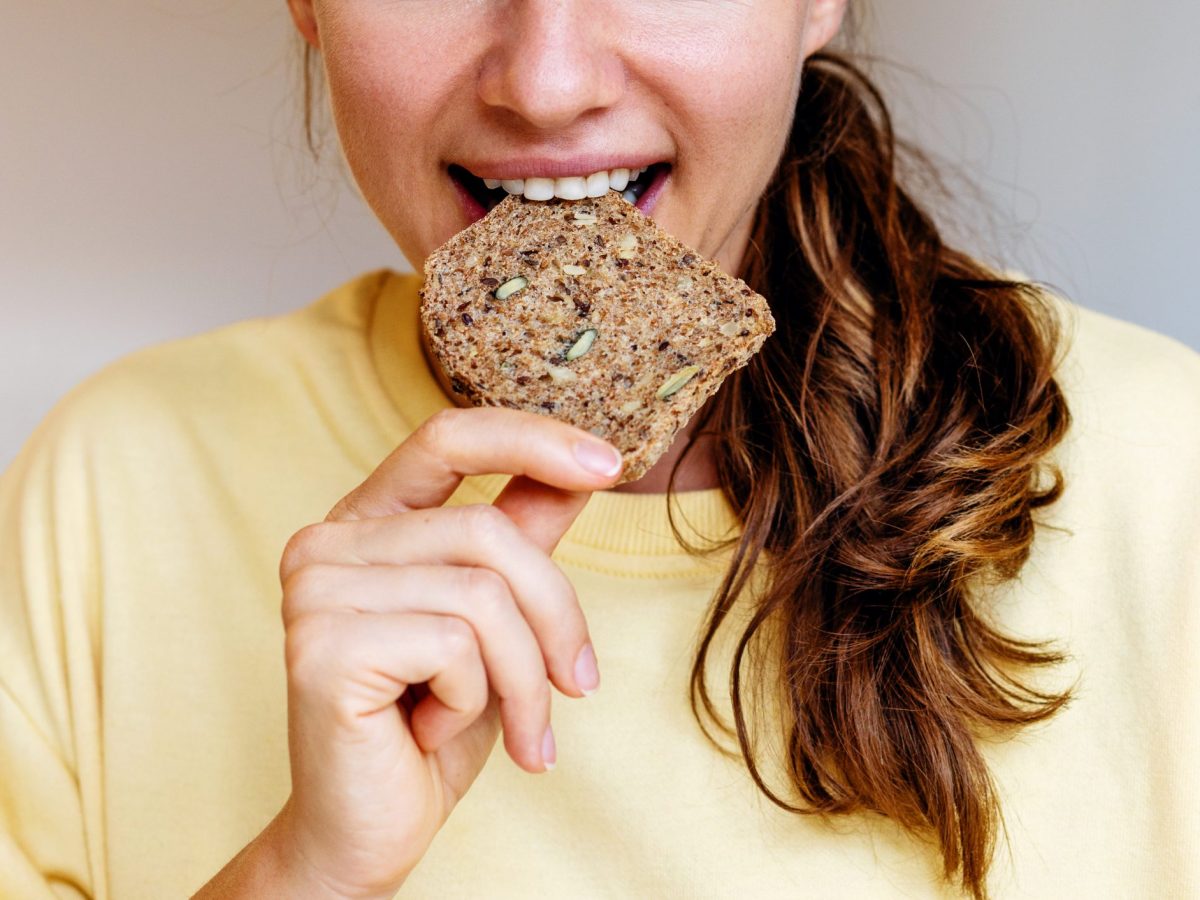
x,y
427,467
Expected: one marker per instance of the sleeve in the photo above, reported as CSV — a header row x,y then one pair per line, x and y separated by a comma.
x,y
51,805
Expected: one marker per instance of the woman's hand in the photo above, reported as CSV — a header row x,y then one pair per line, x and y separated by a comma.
x,y
416,631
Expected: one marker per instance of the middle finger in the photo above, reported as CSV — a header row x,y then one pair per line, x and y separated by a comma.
x,y
480,536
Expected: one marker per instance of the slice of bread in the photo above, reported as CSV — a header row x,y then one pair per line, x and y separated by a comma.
x,y
587,311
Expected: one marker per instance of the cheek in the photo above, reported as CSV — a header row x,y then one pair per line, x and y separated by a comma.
x,y
386,84
739,130
746,105
724,96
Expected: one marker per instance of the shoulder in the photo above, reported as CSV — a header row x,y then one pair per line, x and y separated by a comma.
x,y
229,386
1123,357
1128,384
1131,457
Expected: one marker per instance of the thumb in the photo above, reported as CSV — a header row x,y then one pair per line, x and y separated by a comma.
x,y
542,512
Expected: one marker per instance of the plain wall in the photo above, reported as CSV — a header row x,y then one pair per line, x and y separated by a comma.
x,y
153,183
1080,121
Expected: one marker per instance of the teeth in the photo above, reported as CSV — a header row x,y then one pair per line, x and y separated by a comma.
x,y
575,187
570,188
538,188
598,184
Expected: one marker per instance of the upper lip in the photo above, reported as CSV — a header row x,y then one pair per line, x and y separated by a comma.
x,y
550,167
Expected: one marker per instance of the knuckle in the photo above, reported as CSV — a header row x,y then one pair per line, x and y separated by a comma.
x,y
302,547
489,592
457,639
485,525
303,587
308,648
439,429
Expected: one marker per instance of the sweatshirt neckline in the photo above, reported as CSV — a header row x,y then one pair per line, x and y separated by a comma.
x,y
611,527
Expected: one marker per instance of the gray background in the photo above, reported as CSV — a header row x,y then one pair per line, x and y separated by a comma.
x,y
152,183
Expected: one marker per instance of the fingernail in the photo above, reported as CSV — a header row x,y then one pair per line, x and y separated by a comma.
x,y
598,458
549,753
587,675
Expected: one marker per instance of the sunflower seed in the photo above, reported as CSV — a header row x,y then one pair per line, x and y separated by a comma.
x,y
510,287
561,374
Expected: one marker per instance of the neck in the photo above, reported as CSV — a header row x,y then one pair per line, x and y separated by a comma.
x,y
696,473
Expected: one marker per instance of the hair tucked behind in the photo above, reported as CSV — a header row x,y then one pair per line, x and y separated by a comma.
x,y
885,450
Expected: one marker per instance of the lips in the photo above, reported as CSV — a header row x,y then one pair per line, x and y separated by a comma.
x,y
478,198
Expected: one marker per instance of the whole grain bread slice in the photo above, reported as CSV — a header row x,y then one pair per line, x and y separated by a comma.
x,y
588,311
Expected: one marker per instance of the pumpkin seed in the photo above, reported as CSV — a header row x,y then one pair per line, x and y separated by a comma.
x,y
676,381
582,345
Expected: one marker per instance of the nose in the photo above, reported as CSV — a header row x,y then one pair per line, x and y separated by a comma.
x,y
552,61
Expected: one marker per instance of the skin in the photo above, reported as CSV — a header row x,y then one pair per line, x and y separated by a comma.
x,y
418,634
543,77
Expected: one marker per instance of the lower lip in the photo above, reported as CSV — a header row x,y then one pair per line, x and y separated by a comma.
x,y
645,204
470,205
650,196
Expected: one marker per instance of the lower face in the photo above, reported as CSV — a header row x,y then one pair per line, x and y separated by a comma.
x,y
443,108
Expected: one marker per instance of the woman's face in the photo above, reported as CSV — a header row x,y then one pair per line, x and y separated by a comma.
x,y
432,96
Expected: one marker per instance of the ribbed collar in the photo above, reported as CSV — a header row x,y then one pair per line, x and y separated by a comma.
x,y
613,526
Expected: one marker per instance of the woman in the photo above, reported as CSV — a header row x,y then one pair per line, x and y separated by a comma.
x,y
863,497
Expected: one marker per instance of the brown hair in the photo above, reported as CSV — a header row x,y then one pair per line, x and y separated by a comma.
x,y
885,454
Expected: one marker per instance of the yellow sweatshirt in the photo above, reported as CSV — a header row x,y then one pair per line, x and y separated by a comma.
x,y
142,728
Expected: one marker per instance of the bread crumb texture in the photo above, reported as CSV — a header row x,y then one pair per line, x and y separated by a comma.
x,y
587,311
